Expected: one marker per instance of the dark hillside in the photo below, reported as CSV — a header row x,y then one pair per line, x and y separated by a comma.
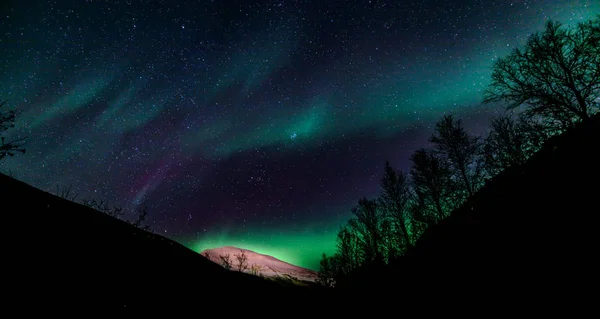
x,y
530,232
63,252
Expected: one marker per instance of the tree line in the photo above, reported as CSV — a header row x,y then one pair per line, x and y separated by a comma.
x,y
547,86
100,205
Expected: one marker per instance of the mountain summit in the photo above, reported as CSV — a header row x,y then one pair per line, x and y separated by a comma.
x,y
258,264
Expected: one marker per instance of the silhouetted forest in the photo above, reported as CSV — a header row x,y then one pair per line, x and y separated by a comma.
x,y
549,86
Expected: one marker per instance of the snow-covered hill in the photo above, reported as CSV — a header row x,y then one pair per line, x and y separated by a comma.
x,y
259,264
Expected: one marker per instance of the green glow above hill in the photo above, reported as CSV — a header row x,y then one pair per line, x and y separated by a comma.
x,y
302,248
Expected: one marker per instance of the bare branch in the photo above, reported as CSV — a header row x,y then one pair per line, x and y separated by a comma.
x,y
242,261
225,261
102,206
65,192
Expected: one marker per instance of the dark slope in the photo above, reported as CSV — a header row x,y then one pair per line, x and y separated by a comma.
x,y
62,252
529,233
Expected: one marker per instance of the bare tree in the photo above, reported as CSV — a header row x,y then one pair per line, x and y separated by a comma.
x,y
7,121
348,255
256,269
207,256
394,201
65,192
327,271
433,185
510,142
555,75
104,207
461,150
117,212
392,243
421,216
140,219
366,226
242,261
225,261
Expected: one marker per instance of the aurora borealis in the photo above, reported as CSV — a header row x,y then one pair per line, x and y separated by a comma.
x,y
255,124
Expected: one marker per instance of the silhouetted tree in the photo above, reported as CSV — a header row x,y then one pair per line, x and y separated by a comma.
x,y
394,201
421,216
7,121
509,142
65,192
104,207
225,261
140,219
392,240
113,211
327,272
433,185
348,253
255,269
366,226
555,75
242,261
461,150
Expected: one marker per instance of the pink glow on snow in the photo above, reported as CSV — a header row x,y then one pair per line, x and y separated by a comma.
x,y
270,267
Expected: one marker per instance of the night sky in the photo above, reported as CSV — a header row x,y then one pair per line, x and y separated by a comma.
x,y
257,124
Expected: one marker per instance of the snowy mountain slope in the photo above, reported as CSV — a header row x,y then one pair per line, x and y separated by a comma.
x,y
259,264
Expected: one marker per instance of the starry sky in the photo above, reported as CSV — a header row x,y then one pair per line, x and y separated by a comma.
x,y
257,124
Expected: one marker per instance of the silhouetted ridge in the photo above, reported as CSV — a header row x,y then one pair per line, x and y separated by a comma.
x,y
528,233
553,188
62,252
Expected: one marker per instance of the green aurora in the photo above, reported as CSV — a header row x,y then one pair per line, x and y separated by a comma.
x,y
121,112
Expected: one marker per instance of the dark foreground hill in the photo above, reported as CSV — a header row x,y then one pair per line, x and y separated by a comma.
x,y
62,253
529,235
